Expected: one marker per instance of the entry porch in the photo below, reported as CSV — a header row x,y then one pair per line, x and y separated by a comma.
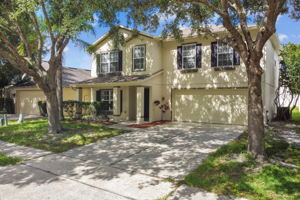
x,y
125,103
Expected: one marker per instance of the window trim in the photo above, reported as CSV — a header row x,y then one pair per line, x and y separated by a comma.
x,y
189,44
111,98
144,68
109,62
224,66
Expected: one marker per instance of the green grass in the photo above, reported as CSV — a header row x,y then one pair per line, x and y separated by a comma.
x,y
221,172
296,115
7,160
33,133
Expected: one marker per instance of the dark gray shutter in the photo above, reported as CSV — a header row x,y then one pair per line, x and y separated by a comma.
x,y
179,57
132,60
98,63
236,58
214,54
120,62
198,55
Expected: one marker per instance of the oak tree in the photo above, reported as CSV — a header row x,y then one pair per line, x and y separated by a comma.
x,y
42,26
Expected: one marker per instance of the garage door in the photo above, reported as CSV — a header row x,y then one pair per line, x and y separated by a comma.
x,y
27,102
226,106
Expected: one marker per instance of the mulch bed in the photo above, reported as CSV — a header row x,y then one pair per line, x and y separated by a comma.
x,y
156,123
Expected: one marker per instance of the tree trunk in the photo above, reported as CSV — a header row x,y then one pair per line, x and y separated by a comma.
x,y
60,91
256,145
54,125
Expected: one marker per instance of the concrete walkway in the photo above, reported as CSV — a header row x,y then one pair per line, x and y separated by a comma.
x,y
25,116
129,166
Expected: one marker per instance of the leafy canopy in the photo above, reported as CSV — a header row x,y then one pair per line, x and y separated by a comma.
x,y
290,68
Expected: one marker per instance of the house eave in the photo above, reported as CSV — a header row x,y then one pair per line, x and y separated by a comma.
x,y
112,84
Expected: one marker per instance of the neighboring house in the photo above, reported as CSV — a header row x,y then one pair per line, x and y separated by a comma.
x,y
28,94
201,80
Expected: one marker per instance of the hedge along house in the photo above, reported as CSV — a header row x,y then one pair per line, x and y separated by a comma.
x,y
199,79
27,95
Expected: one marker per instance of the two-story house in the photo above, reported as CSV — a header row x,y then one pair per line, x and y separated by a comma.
x,y
198,79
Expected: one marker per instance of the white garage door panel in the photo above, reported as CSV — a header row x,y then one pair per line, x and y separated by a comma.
x,y
28,102
212,106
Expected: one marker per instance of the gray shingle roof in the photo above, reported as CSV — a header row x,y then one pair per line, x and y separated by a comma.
x,y
74,75
115,78
70,76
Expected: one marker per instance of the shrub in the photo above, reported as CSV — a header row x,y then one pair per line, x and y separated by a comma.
x,y
76,109
7,105
43,108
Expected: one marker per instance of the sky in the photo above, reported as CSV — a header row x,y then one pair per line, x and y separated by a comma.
x,y
288,30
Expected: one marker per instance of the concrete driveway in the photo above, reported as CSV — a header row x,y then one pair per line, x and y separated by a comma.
x,y
130,166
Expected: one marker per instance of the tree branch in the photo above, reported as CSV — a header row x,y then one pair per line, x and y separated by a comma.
x,y
23,39
18,63
41,41
243,23
48,24
274,8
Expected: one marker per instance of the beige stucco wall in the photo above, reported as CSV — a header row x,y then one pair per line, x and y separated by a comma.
x,y
205,77
153,53
69,94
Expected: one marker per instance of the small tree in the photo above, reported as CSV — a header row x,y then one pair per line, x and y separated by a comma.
x,y
288,92
163,105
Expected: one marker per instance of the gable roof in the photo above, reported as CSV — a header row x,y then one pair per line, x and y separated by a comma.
x,y
70,76
106,35
187,32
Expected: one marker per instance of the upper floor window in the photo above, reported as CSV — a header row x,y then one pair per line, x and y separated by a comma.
x,y
109,62
189,56
225,55
139,58
222,55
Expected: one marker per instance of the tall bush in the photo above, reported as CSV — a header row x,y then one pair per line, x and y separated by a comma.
x,y
7,105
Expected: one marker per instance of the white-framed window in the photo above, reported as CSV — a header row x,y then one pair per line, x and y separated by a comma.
x,y
139,58
107,99
189,56
224,55
109,62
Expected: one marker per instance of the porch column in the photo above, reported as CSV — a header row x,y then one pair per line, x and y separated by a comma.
x,y
93,94
140,104
79,94
116,101
78,98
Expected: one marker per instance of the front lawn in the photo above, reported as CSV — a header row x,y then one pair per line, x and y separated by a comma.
x,y
296,115
33,133
231,171
7,160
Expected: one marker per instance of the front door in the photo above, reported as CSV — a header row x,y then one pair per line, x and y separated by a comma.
x,y
146,104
